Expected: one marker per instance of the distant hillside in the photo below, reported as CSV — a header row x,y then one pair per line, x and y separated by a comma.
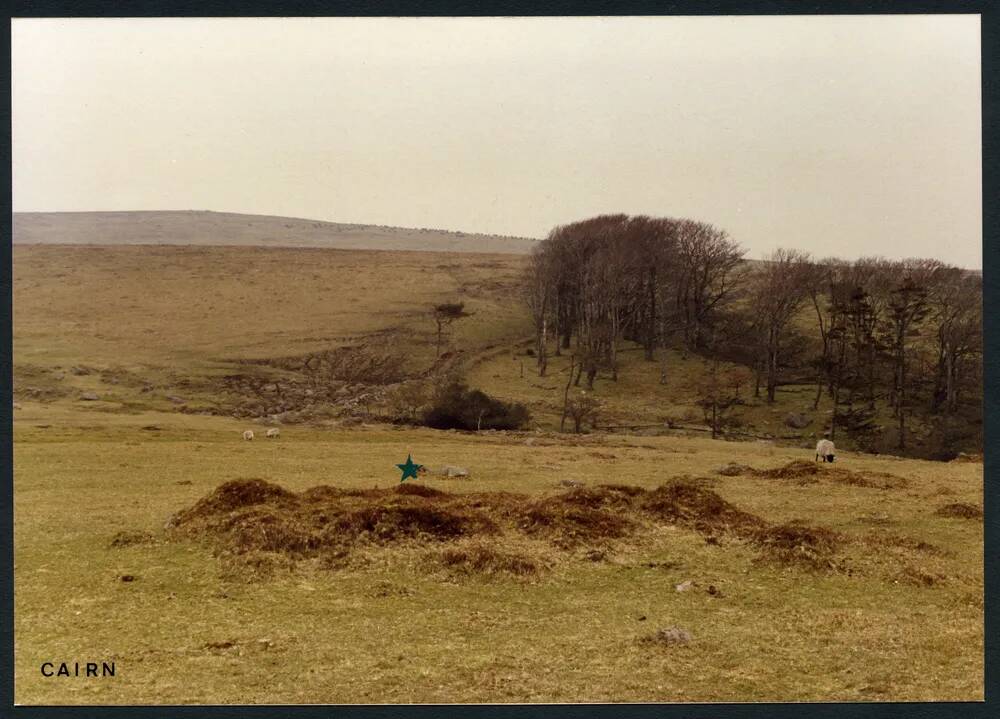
x,y
226,228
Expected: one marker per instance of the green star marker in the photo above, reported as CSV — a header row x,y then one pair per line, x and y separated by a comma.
x,y
409,469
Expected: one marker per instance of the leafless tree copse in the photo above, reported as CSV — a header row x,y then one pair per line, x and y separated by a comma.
x,y
781,287
540,295
956,311
907,309
709,270
882,343
611,277
821,282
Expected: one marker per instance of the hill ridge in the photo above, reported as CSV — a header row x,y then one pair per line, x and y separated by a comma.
x,y
211,228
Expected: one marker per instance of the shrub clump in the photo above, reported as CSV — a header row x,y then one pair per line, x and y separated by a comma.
x,y
458,407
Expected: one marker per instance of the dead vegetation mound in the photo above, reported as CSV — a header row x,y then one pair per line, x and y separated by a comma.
x,y
485,560
920,577
878,540
269,525
234,495
796,544
793,470
805,472
701,509
568,524
960,510
129,538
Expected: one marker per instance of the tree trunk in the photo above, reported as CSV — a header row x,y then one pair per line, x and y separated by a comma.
x,y
569,380
772,369
951,394
651,319
543,360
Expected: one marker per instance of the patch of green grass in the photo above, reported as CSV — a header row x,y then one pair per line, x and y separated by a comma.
x,y
570,634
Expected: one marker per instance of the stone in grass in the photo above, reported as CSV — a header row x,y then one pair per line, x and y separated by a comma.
x,y
732,469
797,420
89,397
670,636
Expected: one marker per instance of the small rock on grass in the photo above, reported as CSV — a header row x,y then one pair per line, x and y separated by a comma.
x,y
732,469
669,636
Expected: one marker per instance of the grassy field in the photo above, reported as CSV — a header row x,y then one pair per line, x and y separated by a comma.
x,y
893,612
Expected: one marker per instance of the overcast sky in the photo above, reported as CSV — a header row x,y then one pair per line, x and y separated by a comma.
x,y
838,135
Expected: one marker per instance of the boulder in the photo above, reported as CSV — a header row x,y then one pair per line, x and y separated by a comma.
x,y
670,636
797,420
732,469
451,471
89,397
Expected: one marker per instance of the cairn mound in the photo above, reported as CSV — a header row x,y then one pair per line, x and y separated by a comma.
x,y
253,518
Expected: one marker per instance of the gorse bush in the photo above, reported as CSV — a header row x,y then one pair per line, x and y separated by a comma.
x,y
458,407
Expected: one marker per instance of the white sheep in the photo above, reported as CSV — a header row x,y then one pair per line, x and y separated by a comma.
x,y
825,449
273,432
248,434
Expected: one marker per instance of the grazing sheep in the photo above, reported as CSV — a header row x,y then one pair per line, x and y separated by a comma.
x,y
248,434
273,432
825,449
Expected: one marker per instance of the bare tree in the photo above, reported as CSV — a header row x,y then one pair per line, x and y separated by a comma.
x,y
444,315
708,272
956,310
906,311
539,293
780,290
583,409
719,395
